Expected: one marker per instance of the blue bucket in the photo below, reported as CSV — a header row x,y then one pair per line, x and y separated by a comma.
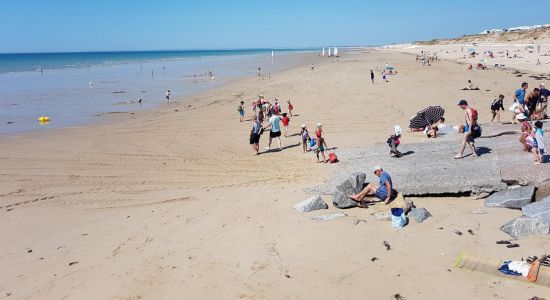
x,y
398,218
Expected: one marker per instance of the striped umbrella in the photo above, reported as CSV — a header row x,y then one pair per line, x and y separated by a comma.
x,y
427,116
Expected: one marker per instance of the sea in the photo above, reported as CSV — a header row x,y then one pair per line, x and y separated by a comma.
x,y
78,88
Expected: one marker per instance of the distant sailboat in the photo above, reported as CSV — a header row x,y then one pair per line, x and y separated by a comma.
x,y
329,51
323,53
335,51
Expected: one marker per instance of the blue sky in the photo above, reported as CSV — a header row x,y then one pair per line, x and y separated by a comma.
x,y
77,25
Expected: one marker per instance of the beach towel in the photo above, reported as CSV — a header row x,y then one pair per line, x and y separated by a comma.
x,y
490,265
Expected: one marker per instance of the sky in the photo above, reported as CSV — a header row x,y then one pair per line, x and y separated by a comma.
x,y
118,25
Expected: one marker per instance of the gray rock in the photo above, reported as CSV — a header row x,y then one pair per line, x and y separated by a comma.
x,y
523,226
329,217
310,204
382,215
352,185
512,198
537,208
419,214
499,165
342,200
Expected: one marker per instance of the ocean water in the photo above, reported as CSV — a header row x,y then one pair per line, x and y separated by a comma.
x,y
78,88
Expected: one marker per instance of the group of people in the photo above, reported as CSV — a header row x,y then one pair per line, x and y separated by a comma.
x,y
263,110
532,104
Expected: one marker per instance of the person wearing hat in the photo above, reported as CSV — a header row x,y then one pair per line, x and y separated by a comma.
x,y
382,192
305,137
471,129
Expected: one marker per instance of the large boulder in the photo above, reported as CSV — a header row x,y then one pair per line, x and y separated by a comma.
x,y
419,214
537,208
354,184
511,198
524,226
310,204
342,200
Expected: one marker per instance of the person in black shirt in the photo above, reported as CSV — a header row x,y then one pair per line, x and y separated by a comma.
x,y
496,107
543,101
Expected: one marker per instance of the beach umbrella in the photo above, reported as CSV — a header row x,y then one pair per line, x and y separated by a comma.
x,y
427,116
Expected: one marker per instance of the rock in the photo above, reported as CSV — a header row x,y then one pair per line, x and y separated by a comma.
x,y
342,200
512,198
329,217
543,190
419,214
383,215
310,204
523,226
537,208
353,185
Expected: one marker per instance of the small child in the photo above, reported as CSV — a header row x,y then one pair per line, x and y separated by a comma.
x,y
240,109
538,149
305,138
496,107
285,121
393,142
290,108
321,149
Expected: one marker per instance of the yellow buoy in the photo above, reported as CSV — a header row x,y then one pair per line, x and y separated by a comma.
x,y
44,119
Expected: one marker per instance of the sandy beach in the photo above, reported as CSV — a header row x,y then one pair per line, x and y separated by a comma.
x,y
171,204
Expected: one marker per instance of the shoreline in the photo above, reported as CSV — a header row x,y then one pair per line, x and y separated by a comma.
x,y
105,98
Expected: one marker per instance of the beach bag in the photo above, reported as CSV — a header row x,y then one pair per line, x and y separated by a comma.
x,y
332,158
398,218
514,108
476,131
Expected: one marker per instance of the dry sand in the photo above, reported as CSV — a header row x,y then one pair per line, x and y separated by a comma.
x,y
171,203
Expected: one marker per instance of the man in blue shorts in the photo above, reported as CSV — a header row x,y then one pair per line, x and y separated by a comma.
x,y
382,192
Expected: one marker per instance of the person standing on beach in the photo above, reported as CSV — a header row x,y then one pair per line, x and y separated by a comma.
x,y
275,130
496,107
372,76
259,71
312,67
240,109
544,95
470,129
519,96
255,133
168,94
